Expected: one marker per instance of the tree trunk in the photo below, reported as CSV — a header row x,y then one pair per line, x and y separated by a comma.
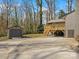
x,y
41,13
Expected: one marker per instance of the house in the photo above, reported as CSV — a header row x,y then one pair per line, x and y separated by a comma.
x,y
72,23
68,26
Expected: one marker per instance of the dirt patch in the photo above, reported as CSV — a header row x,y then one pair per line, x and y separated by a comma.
x,y
72,42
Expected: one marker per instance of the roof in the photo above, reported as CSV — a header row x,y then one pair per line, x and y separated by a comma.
x,y
56,21
13,27
60,20
70,12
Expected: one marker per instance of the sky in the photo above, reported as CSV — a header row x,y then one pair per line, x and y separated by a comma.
x,y
60,4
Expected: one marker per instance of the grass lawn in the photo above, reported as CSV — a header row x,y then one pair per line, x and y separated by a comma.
x,y
34,35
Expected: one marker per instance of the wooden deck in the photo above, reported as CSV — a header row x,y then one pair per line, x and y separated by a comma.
x,y
52,27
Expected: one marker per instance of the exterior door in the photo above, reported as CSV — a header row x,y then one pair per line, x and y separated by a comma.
x,y
70,33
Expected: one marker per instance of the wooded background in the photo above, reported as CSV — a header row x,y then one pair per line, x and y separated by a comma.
x,y
26,16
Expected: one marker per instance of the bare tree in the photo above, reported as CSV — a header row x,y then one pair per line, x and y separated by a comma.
x,y
52,8
69,6
29,16
39,3
6,9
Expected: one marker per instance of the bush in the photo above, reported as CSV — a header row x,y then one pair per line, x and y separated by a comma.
x,y
40,29
3,34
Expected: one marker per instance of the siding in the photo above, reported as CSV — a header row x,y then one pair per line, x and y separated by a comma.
x,y
72,21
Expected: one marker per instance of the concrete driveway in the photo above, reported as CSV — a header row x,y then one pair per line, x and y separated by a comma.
x,y
38,48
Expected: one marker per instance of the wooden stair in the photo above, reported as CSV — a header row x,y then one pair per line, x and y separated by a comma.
x,y
47,30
